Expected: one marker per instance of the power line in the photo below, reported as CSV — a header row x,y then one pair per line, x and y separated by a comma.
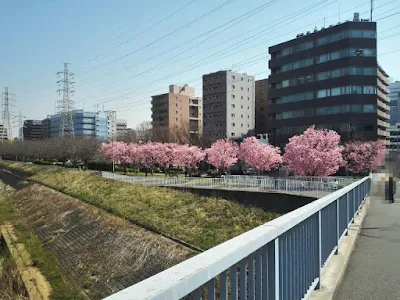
x,y
165,36
222,52
142,32
105,75
235,20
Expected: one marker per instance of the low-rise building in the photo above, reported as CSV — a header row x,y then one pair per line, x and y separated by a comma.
x,y
32,129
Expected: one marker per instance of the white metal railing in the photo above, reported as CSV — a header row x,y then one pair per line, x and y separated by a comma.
x,y
282,259
317,187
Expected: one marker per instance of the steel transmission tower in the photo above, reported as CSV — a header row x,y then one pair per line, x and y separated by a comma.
x,y
66,105
6,116
21,125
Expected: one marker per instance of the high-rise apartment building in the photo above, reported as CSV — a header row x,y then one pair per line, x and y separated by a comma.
x,y
261,98
177,112
330,78
394,97
32,129
229,104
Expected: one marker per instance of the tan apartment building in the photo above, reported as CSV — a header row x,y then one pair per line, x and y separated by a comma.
x,y
178,112
383,106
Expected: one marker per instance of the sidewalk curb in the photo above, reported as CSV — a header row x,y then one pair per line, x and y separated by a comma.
x,y
334,272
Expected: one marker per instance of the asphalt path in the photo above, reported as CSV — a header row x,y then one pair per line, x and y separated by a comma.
x,y
373,271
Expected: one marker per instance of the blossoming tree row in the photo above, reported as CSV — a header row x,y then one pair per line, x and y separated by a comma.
x,y
313,153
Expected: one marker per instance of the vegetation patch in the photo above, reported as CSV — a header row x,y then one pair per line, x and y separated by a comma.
x,y
201,221
42,260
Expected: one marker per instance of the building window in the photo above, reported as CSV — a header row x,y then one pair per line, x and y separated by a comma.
x,y
233,86
233,124
242,78
241,106
233,96
232,115
242,97
248,107
248,89
248,125
233,77
233,105
242,116
241,125
241,88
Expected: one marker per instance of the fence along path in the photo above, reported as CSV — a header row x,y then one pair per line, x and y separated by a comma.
x,y
307,186
282,259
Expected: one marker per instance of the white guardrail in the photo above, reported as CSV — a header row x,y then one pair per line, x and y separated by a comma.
x,y
317,187
282,259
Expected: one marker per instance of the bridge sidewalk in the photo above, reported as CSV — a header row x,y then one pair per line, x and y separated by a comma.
x,y
373,271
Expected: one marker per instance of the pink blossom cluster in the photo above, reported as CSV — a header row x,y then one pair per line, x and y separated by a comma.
x,y
151,154
319,153
313,153
363,157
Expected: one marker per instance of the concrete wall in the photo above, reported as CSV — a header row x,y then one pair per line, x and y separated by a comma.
x,y
274,202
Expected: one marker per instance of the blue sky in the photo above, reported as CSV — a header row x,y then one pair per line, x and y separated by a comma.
x,y
124,51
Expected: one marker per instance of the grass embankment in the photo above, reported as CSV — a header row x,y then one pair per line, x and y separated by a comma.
x,y
44,261
200,221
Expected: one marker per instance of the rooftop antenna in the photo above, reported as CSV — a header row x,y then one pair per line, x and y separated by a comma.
x,y
372,8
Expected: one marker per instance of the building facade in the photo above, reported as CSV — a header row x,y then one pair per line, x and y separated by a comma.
x,y
394,97
228,104
178,111
85,124
112,124
261,104
328,78
121,127
32,129
3,133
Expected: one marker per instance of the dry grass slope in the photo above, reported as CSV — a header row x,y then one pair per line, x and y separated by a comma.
x,y
200,221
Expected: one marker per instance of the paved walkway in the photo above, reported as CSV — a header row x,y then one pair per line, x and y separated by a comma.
x,y
373,271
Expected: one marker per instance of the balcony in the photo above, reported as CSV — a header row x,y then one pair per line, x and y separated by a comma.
x,y
383,105
383,124
383,133
383,87
383,115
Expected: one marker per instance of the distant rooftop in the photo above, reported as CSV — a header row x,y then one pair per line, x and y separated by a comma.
x,y
356,18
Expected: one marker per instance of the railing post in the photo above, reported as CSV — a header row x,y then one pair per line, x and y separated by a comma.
x,y
347,212
319,251
276,265
337,226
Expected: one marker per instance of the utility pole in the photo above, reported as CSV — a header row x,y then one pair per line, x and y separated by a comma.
x,y
6,117
66,105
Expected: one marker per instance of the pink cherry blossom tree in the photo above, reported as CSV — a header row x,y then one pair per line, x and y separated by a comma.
x,y
363,157
314,153
222,154
113,151
189,157
258,156
148,156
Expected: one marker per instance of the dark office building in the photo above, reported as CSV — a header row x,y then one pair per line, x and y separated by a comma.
x,y
32,129
261,96
46,128
330,78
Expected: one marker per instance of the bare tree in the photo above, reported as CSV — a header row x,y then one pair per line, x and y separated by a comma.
x,y
180,134
144,131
